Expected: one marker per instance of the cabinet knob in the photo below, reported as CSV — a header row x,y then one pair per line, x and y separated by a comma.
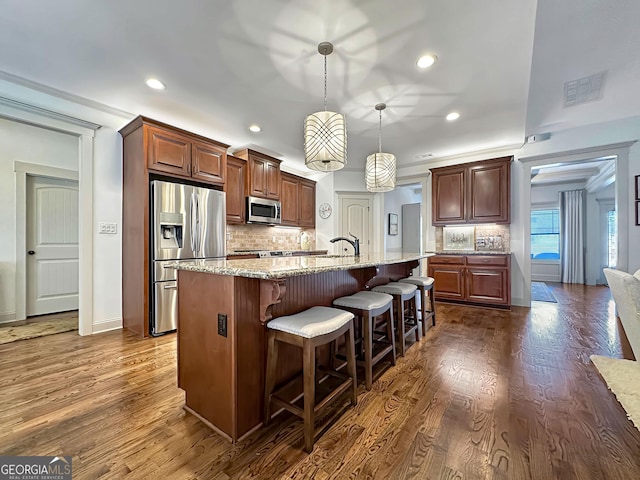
x,y
31,252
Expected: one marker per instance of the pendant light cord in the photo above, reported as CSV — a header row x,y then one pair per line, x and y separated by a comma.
x,y
325,83
380,133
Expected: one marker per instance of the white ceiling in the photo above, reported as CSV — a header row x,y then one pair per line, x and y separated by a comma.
x,y
228,64
596,173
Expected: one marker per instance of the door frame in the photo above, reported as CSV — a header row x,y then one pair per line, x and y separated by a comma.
x,y
85,132
24,170
621,153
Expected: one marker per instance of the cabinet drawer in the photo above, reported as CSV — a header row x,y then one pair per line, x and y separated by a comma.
x,y
447,260
494,260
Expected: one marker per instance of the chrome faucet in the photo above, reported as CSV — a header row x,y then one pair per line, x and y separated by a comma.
x,y
355,243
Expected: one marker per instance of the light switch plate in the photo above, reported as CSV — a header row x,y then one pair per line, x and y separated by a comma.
x,y
106,228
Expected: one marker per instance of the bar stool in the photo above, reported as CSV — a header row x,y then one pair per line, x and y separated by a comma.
x,y
402,293
424,284
309,329
368,306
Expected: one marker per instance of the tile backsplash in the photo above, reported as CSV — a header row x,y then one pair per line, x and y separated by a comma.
x,y
492,238
264,237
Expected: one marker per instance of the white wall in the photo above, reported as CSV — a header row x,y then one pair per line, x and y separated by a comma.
x,y
326,228
550,194
24,143
107,205
393,202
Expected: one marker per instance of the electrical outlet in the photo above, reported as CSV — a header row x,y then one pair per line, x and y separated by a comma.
x,y
106,228
222,324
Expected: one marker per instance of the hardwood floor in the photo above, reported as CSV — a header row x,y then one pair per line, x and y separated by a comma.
x,y
487,394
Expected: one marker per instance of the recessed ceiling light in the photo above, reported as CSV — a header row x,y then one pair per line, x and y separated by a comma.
x,y
155,84
426,61
453,116
255,128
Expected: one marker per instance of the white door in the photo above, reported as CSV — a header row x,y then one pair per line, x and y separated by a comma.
x,y
52,245
355,215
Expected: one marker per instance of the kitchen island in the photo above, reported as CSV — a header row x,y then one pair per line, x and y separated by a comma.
x,y
223,306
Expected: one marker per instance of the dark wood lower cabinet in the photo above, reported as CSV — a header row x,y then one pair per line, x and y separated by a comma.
x,y
449,280
487,285
475,279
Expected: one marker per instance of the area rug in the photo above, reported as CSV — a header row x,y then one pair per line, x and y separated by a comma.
x,y
541,293
623,379
37,329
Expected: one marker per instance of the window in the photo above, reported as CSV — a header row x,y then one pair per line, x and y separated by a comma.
x,y
545,234
612,252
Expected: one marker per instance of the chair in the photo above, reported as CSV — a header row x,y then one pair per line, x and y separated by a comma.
x,y
424,284
625,290
309,329
402,293
370,306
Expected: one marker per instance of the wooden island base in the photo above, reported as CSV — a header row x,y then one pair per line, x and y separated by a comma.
x,y
222,340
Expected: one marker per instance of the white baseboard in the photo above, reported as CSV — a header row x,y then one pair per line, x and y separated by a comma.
x,y
519,302
106,325
7,317
545,278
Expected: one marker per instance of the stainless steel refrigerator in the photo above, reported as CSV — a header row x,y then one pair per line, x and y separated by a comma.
x,y
187,223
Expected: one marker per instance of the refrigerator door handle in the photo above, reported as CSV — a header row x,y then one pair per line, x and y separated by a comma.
x,y
193,211
198,227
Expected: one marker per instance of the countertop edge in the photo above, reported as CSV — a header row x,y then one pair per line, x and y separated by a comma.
x,y
293,272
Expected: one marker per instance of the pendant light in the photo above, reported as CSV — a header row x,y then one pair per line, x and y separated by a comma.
x,y
325,133
380,172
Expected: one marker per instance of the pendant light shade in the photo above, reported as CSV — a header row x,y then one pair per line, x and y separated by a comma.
x,y
380,171
325,133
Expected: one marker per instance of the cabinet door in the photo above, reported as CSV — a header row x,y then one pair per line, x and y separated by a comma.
x,y
168,152
488,285
489,193
448,197
289,199
258,177
209,162
272,180
234,186
448,281
307,205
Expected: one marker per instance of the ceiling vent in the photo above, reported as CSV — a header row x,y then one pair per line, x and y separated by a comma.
x,y
583,90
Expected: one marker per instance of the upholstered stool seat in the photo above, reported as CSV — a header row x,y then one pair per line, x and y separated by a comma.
x,y
368,306
424,284
401,293
309,329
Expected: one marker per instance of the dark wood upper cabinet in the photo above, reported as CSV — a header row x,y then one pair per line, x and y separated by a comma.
x,y
289,198
168,152
298,198
263,179
175,152
209,162
234,186
472,193
449,197
273,180
489,187
307,203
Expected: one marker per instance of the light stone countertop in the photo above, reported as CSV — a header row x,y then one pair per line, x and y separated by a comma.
x,y
282,267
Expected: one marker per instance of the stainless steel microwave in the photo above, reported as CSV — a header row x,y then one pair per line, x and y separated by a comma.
x,y
262,210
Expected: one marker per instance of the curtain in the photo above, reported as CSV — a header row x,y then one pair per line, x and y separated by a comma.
x,y
572,231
